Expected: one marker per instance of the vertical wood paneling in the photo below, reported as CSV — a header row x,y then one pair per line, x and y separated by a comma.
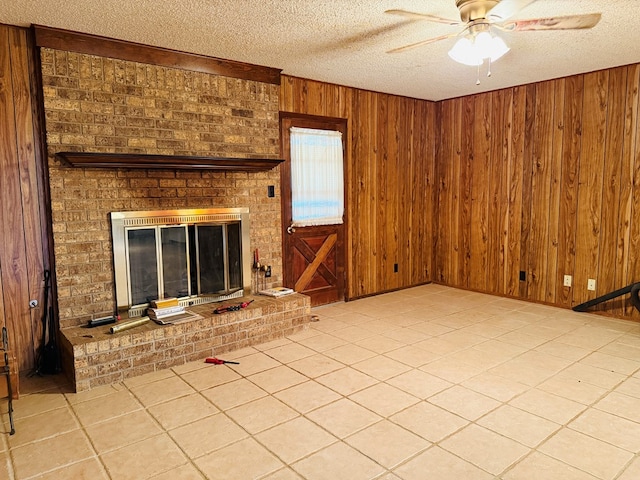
x,y
629,203
23,233
497,203
479,193
551,280
590,184
446,196
567,221
12,262
32,222
561,181
373,181
401,239
467,112
610,259
385,207
515,138
542,150
364,246
424,218
527,173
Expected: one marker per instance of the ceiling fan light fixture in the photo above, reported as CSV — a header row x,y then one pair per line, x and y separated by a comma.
x,y
497,49
464,52
473,50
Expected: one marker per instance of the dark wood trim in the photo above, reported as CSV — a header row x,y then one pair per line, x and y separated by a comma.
x,y
44,190
112,48
320,121
179,162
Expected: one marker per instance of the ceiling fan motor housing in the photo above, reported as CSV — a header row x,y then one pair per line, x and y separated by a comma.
x,y
471,10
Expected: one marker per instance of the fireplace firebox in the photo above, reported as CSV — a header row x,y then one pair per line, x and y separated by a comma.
x,y
198,256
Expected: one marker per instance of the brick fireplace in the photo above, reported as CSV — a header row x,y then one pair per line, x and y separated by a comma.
x,y
101,104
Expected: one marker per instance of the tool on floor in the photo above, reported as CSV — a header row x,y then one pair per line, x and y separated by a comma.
x,y
48,360
232,308
52,363
6,370
217,361
45,316
632,288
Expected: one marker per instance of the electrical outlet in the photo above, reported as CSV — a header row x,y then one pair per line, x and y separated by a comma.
x,y
567,280
591,284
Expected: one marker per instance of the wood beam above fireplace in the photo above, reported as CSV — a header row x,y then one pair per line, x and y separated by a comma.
x,y
179,162
67,40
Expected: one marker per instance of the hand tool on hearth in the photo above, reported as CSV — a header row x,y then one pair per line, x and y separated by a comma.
x,y
98,322
217,361
130,324
232,308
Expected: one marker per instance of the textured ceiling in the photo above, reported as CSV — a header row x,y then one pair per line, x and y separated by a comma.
x,y
346,42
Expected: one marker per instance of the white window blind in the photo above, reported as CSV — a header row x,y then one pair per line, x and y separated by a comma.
x,y
317,183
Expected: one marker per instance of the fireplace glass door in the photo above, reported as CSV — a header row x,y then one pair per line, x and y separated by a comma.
x,y
183,260
219,258
196,255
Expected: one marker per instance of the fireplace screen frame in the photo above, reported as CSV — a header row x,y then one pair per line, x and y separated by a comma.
x,y
123,222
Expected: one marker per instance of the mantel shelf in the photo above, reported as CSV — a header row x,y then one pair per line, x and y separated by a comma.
x,y
180,162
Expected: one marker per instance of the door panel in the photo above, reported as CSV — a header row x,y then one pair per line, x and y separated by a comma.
x,y
315,264
313,257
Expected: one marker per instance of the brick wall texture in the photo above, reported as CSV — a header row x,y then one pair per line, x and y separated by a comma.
x,y
97,104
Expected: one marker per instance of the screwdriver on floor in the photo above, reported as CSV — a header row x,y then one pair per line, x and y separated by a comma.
x,y
217,361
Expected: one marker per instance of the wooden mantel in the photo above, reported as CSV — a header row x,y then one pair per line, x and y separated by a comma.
x,y
180,162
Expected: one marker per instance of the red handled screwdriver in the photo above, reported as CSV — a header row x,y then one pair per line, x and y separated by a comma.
x,y
217,361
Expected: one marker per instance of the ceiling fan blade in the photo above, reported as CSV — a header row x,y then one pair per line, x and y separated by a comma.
x,y
570,22
423,16
421,43
506,9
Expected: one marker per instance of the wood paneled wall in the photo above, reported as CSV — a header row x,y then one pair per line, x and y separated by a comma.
x,y
24,222
545,179
390,163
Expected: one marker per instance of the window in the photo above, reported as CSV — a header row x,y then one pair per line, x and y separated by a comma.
x,y
317,184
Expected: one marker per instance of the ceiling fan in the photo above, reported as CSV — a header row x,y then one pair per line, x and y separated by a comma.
x,y
478,19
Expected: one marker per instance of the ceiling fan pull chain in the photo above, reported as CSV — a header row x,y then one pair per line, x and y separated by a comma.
x,y
489,70
478,76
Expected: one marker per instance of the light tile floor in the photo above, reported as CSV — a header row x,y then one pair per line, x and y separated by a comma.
x,y
426,383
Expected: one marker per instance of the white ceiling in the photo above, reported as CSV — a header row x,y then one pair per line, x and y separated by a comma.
x,y
346,42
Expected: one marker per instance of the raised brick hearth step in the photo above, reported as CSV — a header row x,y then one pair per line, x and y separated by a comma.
x,y
93,356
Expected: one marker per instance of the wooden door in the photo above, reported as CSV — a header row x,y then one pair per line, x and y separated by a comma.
x,y
313,257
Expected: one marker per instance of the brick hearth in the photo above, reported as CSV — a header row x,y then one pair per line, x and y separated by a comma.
x,y
94,357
